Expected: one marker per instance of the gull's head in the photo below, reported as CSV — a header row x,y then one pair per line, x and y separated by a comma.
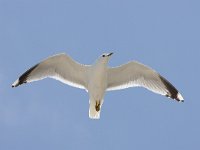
x,y
104,58
106,55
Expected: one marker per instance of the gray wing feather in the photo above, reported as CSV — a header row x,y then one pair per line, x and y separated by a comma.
x,y
60,67
136,74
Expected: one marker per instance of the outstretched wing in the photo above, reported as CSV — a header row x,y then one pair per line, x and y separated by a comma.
x,y
60,67
136,74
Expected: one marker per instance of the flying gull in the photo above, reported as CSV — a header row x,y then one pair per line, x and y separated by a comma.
x,y
98,78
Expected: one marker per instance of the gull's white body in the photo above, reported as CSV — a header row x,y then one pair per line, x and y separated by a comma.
x,y
98,78
97,85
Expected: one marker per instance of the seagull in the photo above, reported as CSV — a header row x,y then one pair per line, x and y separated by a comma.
x,y
98,78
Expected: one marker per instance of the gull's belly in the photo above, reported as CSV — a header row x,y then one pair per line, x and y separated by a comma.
x,y
97,85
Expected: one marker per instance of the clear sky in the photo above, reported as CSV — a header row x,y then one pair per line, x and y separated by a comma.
x,y
50,115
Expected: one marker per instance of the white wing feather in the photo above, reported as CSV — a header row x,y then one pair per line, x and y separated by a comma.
x,y
60,67
136,74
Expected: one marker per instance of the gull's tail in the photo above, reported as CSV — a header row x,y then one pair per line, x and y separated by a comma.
x,y
95,109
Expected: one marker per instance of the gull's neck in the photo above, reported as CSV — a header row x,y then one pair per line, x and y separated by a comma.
x,y
101,62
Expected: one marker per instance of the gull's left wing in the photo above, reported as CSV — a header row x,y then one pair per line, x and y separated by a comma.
x,y
60,67
136,74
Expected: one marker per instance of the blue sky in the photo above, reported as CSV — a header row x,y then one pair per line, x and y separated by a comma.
x,y
51,115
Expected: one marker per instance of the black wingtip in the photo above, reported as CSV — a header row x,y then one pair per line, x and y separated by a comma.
x,y
172,91
16,83
23,78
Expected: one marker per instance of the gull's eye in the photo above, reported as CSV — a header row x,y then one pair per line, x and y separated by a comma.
x,y
103,55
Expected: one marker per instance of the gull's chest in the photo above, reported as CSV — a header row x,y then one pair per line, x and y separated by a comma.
x,y
98,78
97,83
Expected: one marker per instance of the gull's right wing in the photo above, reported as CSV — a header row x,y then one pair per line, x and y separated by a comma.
x,y
60,67
136,74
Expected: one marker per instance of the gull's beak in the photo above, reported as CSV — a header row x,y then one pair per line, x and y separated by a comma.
x,y
110,54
